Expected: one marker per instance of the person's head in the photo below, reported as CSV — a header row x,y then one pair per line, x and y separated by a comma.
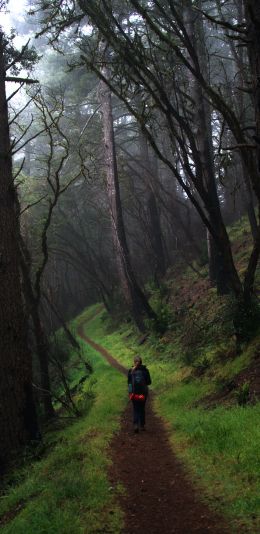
x,y
137,360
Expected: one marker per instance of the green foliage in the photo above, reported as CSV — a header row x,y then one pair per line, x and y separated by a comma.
x,y
201,366
60,348
164,313
68,490
69,370
25,59
219,445
203,258
224,324
243,394
246,318
225,384
239,229
196,358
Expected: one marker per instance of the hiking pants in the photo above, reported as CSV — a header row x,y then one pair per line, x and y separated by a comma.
x,y
139,412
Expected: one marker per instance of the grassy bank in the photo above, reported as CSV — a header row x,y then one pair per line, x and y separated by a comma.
x,y
220,444
67,490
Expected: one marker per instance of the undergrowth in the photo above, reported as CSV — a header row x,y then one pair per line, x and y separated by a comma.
x,y
193,355
66,490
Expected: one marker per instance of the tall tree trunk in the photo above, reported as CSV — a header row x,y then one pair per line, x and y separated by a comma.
x,y
249,204
252,13
239,59
154,218
239,53
18,421
219,270
133,295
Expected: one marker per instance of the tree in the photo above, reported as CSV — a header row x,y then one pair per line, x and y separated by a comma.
x,y
55,156
133,295
252,11
141,69
155,230
154,58
203,132
18,421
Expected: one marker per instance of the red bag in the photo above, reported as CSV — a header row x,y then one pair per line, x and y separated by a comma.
x,y
136,397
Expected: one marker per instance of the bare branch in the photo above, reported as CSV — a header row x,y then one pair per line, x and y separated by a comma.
x,y
17,79
240,28
32,204
239,146
14,93
19,170
16,142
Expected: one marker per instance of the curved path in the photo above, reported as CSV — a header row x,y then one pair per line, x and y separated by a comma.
x,y
159,499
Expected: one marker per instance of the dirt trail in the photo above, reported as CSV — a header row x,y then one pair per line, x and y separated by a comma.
x,y
159,498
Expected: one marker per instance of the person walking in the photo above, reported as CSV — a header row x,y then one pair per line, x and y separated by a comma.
x,y
138,381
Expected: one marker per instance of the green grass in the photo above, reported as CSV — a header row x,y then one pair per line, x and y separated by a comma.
x,y
68,490
220,446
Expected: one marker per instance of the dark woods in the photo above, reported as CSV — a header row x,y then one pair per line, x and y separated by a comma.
x,y
136,149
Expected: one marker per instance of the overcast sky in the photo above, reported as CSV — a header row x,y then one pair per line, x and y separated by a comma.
x,y
16,12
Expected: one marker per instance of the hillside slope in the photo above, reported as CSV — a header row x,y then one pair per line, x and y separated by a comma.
x,y
207,384
207,392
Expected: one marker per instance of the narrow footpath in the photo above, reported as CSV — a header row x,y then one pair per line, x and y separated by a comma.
x,y
159,499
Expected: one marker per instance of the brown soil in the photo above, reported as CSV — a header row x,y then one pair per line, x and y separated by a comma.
x,y
160,498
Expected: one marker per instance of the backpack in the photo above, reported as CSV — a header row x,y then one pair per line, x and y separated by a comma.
x,y
138,382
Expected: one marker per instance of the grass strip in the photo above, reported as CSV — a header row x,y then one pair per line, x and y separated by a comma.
x,y
68,491
220,446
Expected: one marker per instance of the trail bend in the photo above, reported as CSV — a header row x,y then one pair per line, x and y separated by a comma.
x,y
159,498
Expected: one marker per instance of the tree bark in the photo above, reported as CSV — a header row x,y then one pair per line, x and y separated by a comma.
x,y
154,218
18,421
133,295
219,270
238,54
252,13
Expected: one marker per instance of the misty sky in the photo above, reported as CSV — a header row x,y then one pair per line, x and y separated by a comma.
x,y
14,17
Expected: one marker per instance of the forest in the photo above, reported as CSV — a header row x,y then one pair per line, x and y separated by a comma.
x,y
129,225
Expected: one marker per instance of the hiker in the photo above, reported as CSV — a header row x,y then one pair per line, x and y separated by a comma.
x,y
138,381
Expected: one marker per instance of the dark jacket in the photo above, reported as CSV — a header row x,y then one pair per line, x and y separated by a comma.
x,y
145,372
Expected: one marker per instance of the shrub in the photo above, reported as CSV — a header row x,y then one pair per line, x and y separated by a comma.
x,y
201,366
243,319
164,313
243,394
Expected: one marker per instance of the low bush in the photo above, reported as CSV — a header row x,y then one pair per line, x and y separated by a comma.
x,y
243,394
